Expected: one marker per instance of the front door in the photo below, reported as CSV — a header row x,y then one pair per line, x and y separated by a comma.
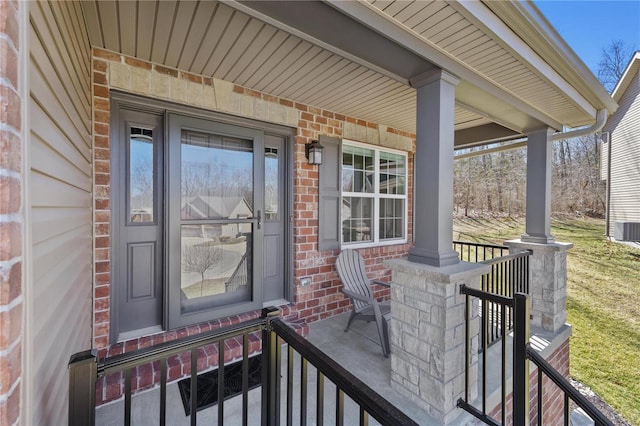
x,y
203,220
217,220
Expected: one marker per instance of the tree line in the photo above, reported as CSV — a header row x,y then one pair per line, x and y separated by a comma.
x,y
495,182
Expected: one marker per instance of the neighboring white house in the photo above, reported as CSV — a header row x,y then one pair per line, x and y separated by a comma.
x,y
623,151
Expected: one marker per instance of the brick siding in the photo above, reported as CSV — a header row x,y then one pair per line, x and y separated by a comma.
x,y
553,397
322,298
11,213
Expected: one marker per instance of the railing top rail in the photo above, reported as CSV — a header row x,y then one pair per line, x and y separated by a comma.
x,y
573,393
143,356
372,402
483,295
508,257
469,243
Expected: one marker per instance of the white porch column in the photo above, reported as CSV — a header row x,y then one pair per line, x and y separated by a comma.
x,y
434,169
539,155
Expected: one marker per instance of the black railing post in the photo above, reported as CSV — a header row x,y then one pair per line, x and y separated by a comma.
x,y
83,373
270,391
522,307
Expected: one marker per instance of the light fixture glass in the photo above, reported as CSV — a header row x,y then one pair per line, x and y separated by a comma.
x,y
313,152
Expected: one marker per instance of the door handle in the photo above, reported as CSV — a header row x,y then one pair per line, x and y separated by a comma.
x,y
259,219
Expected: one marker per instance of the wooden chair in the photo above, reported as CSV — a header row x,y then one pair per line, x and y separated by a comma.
x,y
357,286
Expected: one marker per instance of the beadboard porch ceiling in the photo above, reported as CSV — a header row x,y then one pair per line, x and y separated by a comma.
x,y
356,58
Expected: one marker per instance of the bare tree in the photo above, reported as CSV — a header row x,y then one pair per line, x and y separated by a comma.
x,y
200,258
613,62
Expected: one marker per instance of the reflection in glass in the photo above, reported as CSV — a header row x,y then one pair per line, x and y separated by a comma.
x,y
216,261
391,219
392,173
357,214
357,169
141,184
271,181
217,177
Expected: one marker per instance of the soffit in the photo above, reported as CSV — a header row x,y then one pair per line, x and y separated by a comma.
x,y
213,39
243,46
456,30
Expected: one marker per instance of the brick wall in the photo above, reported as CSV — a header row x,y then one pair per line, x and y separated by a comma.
x,y
11,212
553,397
318,300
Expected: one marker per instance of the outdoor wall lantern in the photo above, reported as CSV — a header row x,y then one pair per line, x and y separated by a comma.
x,y
313,152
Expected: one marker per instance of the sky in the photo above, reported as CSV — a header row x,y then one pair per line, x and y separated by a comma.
x,y
589,26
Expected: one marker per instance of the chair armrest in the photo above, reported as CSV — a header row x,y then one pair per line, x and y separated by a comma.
x,y
383,283
359,297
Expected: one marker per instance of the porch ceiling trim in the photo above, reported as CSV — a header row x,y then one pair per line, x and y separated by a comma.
x,y
526,20
376,19
483,17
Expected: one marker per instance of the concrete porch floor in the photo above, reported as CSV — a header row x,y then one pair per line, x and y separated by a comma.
x,y
357,350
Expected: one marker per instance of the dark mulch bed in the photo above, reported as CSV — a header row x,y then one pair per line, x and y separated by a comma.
x,y
600,404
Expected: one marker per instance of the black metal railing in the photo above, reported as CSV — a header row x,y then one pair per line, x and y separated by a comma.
x,y
509,275
521,354
477,252
346,384
85,369
501,304
570,392
239,277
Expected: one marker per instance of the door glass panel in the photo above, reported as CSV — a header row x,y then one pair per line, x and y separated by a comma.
x,y
141,182
217,177
271,183
217,230
216,265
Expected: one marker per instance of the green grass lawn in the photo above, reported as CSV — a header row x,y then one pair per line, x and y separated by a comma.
x,y
603,304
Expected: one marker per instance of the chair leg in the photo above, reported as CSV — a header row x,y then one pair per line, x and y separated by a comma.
x,y
384,335
351,318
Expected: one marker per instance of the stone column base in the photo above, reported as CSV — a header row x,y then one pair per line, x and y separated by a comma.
x,y
428,334
547,282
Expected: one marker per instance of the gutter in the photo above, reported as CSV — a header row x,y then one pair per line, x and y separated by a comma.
x,y
601,119
607,227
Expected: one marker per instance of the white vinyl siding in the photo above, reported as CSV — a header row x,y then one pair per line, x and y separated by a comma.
x,y
624,127
59,293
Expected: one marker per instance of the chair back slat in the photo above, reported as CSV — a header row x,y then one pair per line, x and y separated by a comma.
x,y
351,270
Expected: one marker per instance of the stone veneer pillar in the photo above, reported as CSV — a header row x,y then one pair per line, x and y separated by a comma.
x,y
547,282
428,334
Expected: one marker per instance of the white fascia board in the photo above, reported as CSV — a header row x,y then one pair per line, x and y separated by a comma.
x,y
627,76
384,24
529,23
484,18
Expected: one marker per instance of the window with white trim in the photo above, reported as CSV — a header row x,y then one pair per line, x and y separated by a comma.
x,y
374,195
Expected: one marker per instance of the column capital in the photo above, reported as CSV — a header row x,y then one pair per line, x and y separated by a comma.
x,y
548,130
431,76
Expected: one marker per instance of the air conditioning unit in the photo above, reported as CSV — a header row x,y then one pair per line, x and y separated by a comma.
x,y
626,231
